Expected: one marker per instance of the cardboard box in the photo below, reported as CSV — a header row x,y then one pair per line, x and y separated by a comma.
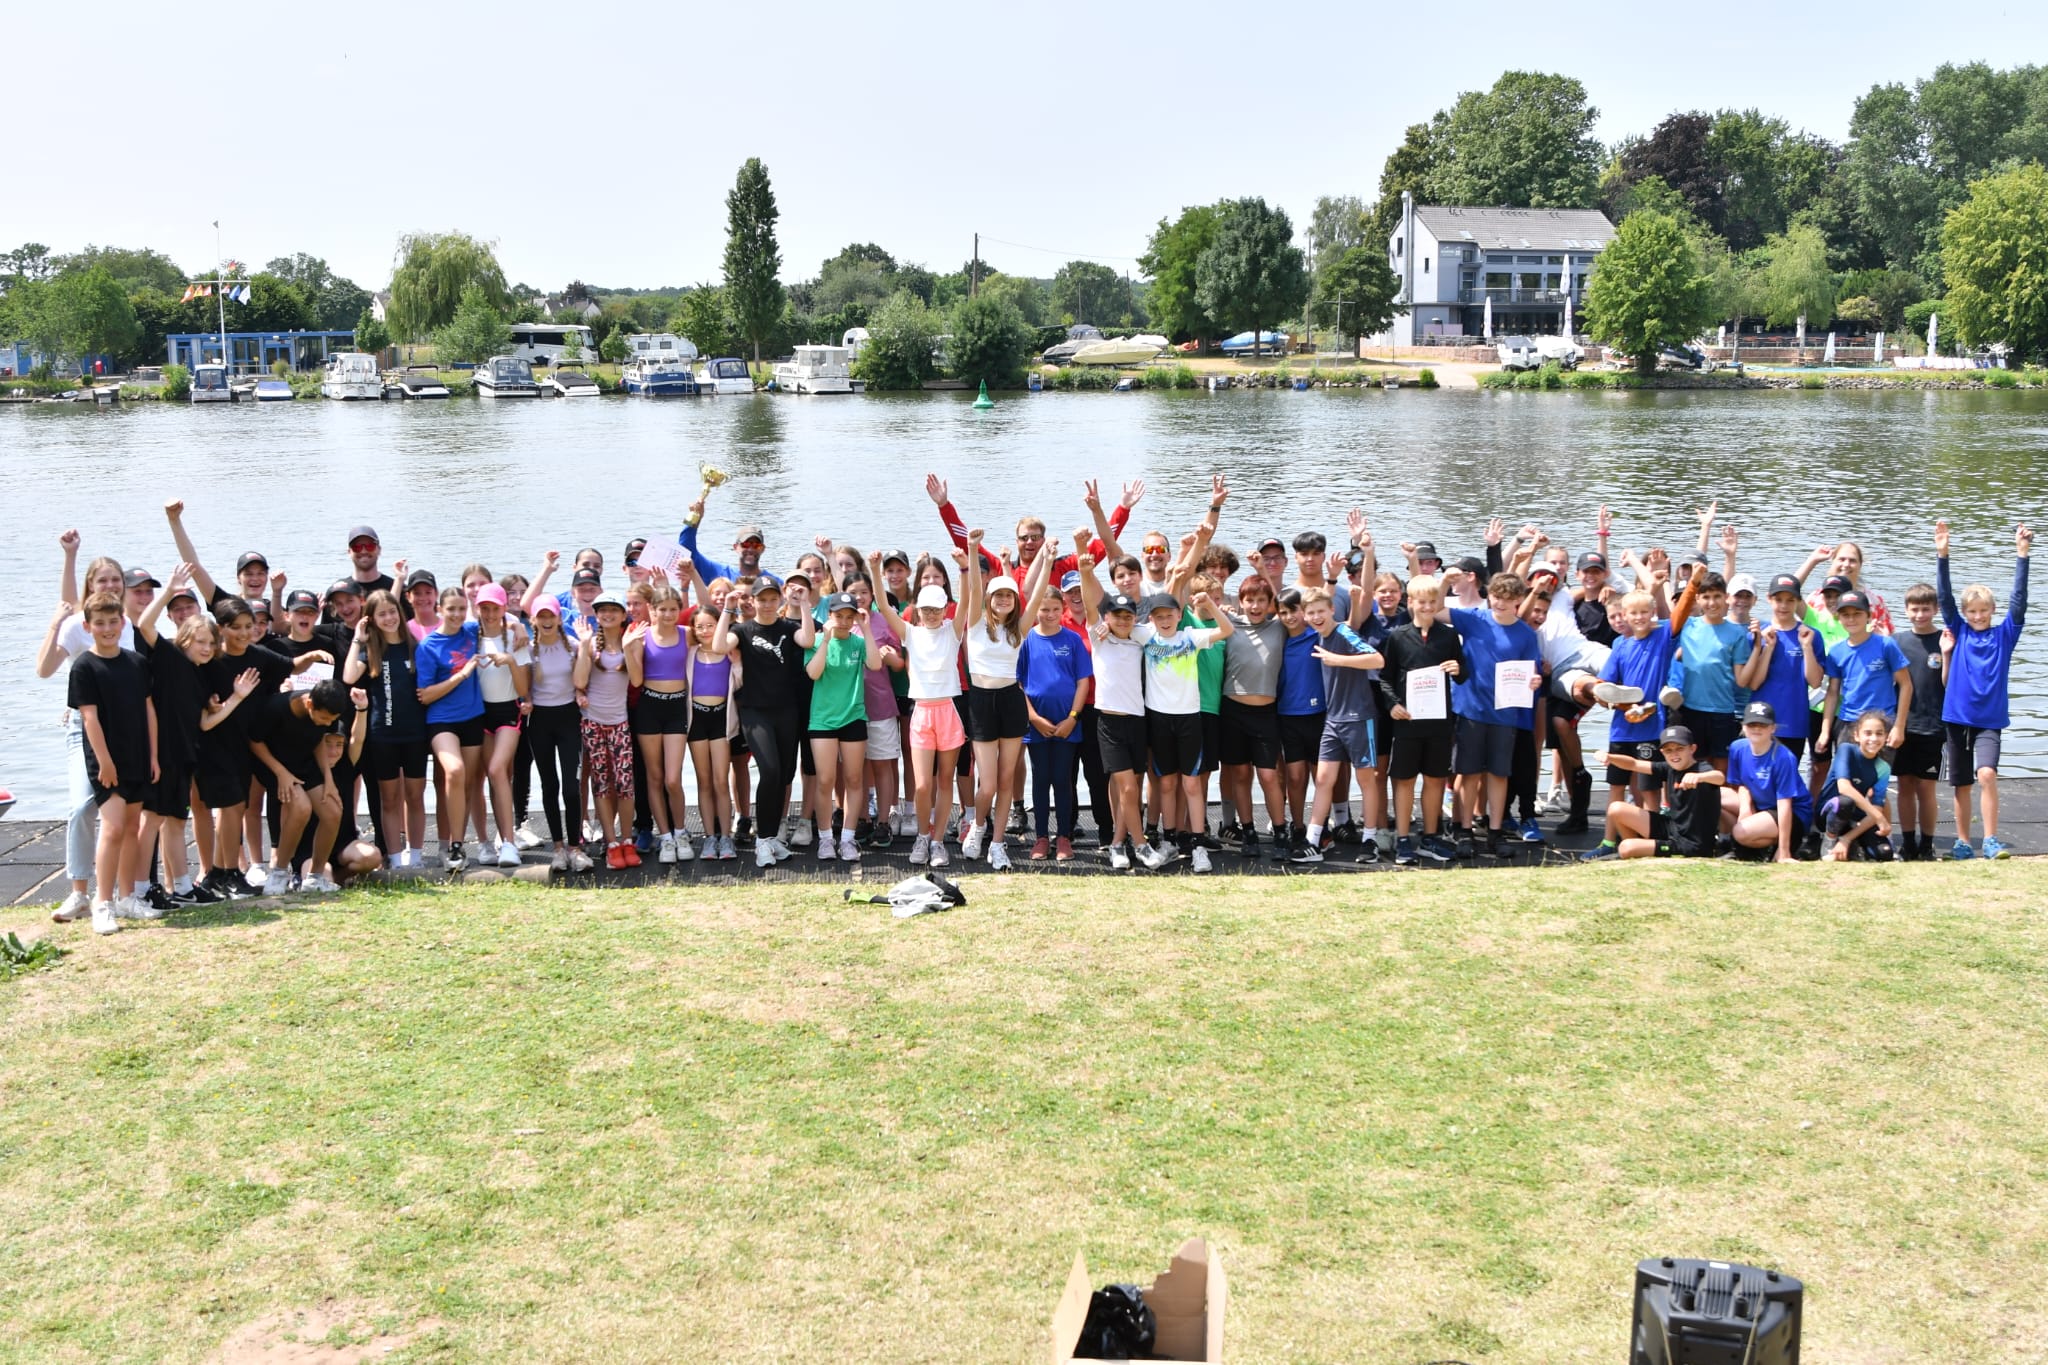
x,y
1187,1302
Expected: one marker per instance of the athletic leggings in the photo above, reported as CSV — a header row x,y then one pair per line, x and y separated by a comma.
x,y
1528,768
772,738
1052,781
556,736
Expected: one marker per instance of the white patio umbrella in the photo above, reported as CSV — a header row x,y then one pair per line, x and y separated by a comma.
x,y
1933,330
1827,357
1487,325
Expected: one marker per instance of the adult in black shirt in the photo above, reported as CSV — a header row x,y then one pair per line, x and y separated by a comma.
x,y
363,549
773,707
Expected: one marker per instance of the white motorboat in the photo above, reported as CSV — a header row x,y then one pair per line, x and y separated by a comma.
x,y
504,376
1121,351
726,374
210,384
815,369
571,384
271,389
658,374
351,375
415,384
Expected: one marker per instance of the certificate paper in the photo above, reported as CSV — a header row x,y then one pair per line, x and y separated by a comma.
x,y
1513,683
314,673
1426,694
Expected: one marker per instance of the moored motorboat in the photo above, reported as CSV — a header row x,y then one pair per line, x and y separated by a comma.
x,y
210,384
571,384
271,389
726,374
504,376
655,374
815,369
351,375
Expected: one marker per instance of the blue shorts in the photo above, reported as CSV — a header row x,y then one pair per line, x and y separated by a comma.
x,y
1349,742
1484,748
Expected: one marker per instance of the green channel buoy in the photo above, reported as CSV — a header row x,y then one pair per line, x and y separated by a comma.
x,y
984,401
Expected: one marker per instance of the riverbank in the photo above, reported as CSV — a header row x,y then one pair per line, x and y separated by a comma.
x,y
427,1121
1550,377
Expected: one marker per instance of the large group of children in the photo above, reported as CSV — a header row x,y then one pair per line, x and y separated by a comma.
x,y
877,683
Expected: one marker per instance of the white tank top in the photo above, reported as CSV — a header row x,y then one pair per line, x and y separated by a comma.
x,y
993,659
934,657
496,679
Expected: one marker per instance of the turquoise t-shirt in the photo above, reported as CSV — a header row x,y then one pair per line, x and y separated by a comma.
x,y
837,698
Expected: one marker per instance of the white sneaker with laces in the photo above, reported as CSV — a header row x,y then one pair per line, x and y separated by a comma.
x,y
1119,861
999,855
684,852
806,830
1150,857
526,838
321,883
764,852
75,906
849,850
939,857
668,849
277,882
103,921
970,846
1201,859
579,861
560,862
508,853
828,849
592,832
782,853
921,850
258,879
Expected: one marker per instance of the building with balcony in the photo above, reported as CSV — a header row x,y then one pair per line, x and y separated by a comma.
x,y
1453,260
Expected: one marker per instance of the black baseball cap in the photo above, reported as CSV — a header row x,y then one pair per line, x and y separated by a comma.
x,y
1674,734
1273,541
1470,564
1426,549
250,557
345,587
841,601
417,577
1160,601
139,578
1783,582
1592,559
260,606
1117,601
633,549
1836,583
747,533
1853,601
1760,713
187,591
300,599
896,557
582,576
368,533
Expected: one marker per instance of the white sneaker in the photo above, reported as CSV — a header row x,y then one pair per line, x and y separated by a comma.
x,y
764,852
258,879
526,838
668,849
906,821
1150,857
806,830
277,882
103,921
849,850
921,850
1616,695
1671,698
579,861
75,906
938,854
321,883
782,853
999,856
684,851
970,845
1119,861
508,853
1201,859
592,832
827,849
560,862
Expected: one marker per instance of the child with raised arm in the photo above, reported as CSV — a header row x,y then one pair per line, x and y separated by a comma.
x,y
109,688
1689,824
1977,707
1119,659
1917,765
1641,658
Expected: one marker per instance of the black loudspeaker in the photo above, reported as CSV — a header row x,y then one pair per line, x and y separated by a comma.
x,y
1713,1313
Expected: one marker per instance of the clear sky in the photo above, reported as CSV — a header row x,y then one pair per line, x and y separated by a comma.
x,y
598,141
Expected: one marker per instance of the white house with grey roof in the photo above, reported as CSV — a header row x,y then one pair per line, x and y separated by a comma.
x,y
1452,259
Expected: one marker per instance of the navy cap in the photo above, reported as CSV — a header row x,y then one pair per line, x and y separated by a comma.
x,y
582,576
841,601
250,557
1836,583
1273,541
1117,601
345,587
1426,549
896,557
1674,734
299,599
1760,713
417,577
1783,582
1853,601
1160,601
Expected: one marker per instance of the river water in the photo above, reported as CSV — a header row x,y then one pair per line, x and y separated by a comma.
x,y
449,483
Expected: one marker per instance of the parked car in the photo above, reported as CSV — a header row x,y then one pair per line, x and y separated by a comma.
x,y
1517,353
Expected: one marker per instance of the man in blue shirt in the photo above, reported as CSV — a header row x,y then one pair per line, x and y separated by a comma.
x,y
1866,672
1766,800
748,544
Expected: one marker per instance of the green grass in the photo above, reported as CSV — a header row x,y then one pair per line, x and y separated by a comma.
x,y
1420,1116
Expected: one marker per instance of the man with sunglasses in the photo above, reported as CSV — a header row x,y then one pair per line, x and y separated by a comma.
x,y
1030,530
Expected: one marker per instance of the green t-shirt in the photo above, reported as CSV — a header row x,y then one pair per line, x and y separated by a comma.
x,y
836,698
1208,664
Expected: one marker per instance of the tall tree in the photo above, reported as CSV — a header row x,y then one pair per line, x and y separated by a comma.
x,y
435,270
990,341
92,314
133,268
1649,290
1995,262
702,319
1335,225
476,332
1409,169
30,261
753,261
1170,259
1526,143
1252,275
1798,285
1087,291
1355,292
1676,152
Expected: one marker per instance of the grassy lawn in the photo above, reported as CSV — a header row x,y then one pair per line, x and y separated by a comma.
x,y
1420,1117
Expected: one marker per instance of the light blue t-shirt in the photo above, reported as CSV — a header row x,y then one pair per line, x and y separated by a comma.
x,y
1711,654
1869,676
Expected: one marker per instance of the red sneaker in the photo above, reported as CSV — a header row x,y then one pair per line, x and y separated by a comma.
x,y
629,856
1040,851
612,858
1064,850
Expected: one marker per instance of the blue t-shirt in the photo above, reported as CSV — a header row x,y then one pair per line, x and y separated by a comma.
x,y
1301,676
438,658
1784,686
1979,672
1871,776
1771,777
1487,643
1644,663
1350,690
1712,654
1868,673
1050,669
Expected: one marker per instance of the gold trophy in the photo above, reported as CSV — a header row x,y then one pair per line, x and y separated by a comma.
x,y
713,476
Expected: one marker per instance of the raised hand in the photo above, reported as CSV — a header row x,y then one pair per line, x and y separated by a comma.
x,y
696,510
1603,524
1334,568
1940,540
1729,540
1133,491
1219,489
1806,638
2023,539
824,544
246,681
65,611
1948,640
174,508
974,536
278,580
68,541
1091,495
181,577
398,569
360,698
1495,529
1707,514
935,489
1083,538
1354,523
553,559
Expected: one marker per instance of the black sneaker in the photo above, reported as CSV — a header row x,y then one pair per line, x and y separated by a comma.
x,y
1208,841
1436,848
160,899
1232,833
1404,852
1304,853
878,836
1369,852
228,886
743,830
200,894
1248,846
1346,833
455,858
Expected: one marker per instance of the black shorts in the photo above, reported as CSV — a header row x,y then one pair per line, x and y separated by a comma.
x,y
1621,777
1794,744
500,715
707,721
1485,748
664,713
387,760
1248,734
1920,756
221,788
995,713
130,789
469,734
1122,741
1300,737
1824,753
853,732
1712,731
1571,713
171,794
1673,843
1969,750
1416,756
1174,742
1212,741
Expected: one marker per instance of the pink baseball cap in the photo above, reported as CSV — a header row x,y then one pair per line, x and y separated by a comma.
x,y
491,593
546,603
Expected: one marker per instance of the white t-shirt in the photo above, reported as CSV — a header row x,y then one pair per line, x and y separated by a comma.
x,y
996,658
1173,684
496,679
1119,673
74,639
934,658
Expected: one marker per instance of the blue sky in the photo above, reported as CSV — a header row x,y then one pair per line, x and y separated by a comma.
x,y
598,142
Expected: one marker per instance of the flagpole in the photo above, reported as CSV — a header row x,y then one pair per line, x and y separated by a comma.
x,y
221,299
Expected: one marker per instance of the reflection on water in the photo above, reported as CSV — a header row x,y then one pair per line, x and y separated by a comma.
x,y
447,483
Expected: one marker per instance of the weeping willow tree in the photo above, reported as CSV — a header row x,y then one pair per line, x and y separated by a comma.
x,y
432,272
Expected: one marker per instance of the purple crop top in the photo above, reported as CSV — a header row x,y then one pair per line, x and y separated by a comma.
x,y
712,679
664,663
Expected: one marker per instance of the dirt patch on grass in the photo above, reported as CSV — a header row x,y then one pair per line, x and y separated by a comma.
x,y
335,1333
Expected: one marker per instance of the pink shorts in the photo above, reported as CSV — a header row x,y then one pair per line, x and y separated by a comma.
x,y
936,726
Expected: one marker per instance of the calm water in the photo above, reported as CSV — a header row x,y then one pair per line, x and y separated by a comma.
x,y
448,483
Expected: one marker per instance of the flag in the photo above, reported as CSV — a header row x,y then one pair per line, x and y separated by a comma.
x,y
231,266
190,290
196,291
239,293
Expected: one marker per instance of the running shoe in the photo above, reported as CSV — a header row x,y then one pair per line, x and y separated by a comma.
x,y
579,861
764,852
1119,859
643,840
560,862
1616,695
920,850
629,855
75,906
1199,859
1150,857
508,853
277,882
1436,848
999,856
103,921
782,853
1304,853
1531,832
939,858
1369,851
615,857
828,849
743,828
1600,853
849,847
1063,850
1993,848
970,846
685,853
1961,851
525,838
321,883
726,852
668,849
1404,852
200,894
806,830
1041,849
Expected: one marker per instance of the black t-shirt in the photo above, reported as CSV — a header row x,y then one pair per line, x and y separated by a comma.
x,y
383,582
1695,811
119,688
1593,623
1923,666
396,715
221,671
333,640
180,696
291,734
772,666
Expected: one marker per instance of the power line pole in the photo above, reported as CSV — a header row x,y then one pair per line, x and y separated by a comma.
x,y
974,269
